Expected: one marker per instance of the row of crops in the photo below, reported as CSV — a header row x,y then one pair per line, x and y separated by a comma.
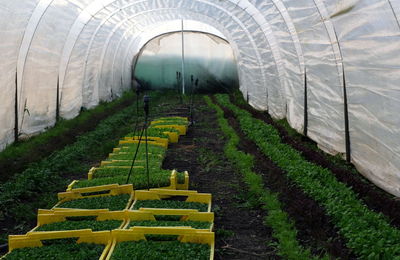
x,y
121,212
368,234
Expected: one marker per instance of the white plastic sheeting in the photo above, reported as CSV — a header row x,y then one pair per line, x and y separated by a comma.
x,y
86,48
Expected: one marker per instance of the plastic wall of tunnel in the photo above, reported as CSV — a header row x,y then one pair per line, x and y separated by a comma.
x,y
340,58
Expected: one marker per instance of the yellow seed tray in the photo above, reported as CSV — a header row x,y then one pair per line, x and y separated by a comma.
x,y
106,190
186,235
35,239
181,128
159,194
173,183
162,144
55,215
185,185
186,215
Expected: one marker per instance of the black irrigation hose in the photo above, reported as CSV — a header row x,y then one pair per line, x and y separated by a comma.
x,y
136,152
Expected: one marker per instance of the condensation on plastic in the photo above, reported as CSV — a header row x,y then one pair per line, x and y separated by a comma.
x,y
89,47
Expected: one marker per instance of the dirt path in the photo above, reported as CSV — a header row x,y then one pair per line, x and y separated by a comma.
x,y
240,232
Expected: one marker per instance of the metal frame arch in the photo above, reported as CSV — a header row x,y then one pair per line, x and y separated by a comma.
x,y
247,33
130,51
118,70
163,20
97,7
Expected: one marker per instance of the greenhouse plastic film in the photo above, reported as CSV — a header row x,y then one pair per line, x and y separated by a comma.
x,y
89,45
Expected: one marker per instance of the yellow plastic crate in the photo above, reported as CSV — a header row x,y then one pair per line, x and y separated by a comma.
x,y
181,128
55,215
186,235
162,144
159,194
173,183
187,215
164,141
185,185
106,190
35,239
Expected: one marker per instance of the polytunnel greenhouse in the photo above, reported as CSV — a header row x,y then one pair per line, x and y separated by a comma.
x,y
199,129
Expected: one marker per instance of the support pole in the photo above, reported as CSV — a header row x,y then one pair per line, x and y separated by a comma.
x,y
16,109
305,103
346,120
183,60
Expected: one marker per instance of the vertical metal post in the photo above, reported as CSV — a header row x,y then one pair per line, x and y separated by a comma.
x,y
58,101
16,109
305,103
346,120
183,60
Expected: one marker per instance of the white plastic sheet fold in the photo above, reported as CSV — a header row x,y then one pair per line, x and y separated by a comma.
x,y
86,48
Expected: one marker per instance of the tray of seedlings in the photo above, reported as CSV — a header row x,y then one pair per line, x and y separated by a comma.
x,y
163,132
60,245
171,199
148,243
113,197
148,217
95,220
179,123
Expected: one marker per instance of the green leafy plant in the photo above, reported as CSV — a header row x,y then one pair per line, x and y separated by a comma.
x,y
82,224
170,204
139,180
154,250
149,223
368,233
118,202
283,228
58,251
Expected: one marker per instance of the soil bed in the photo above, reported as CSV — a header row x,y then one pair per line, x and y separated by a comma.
x,y
375,198
240,232
315,230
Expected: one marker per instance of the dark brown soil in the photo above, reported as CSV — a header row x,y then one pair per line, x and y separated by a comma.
x,y
240,232
315,230
375,198
9,168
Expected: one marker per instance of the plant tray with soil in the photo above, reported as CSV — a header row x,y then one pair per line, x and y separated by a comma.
x,y
132,244
170,218
82,245
96,220
113,203
172,199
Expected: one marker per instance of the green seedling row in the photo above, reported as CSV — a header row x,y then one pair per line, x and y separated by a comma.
x,y
283,228
170,204
64,249
368,234
113,203
139,181
154,250
82,224
149,223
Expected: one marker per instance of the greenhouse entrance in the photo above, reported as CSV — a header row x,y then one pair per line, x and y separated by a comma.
x,y
206,63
